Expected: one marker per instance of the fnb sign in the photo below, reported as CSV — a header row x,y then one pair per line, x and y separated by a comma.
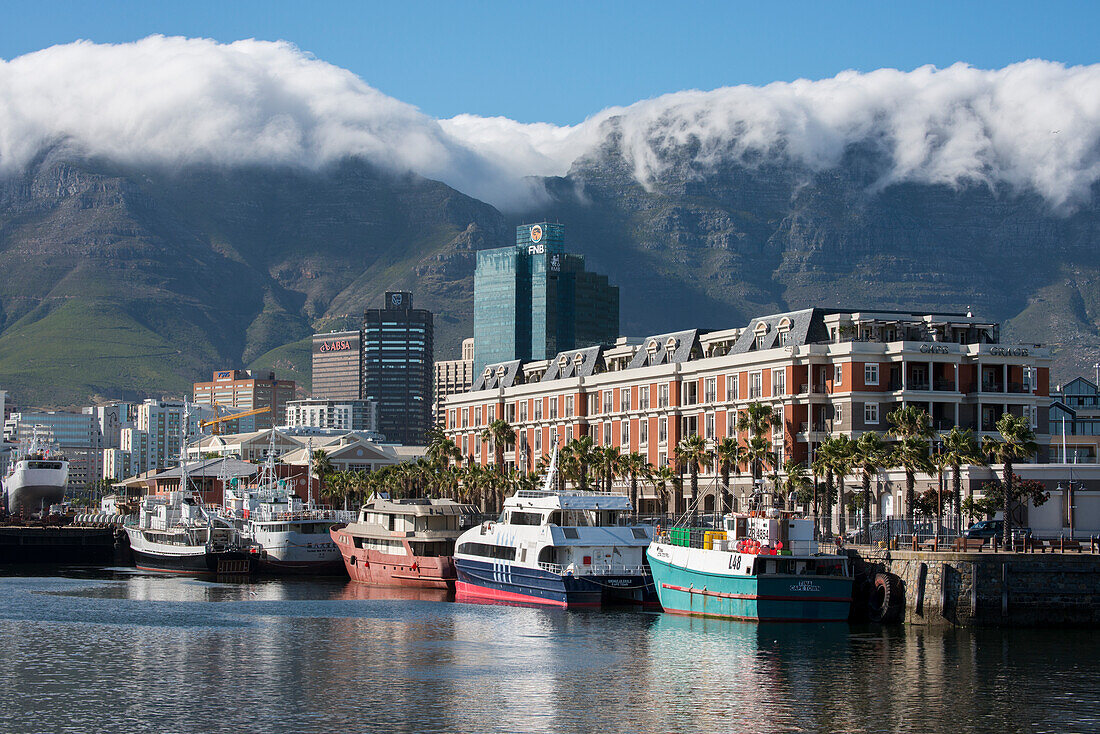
x,y
339,345
536,249
224,375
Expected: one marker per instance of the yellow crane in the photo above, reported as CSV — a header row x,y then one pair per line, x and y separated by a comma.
x,y
215,423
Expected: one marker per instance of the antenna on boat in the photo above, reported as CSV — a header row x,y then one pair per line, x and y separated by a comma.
x,y
309,471
551,471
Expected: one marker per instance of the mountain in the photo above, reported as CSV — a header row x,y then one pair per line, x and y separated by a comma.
x,y
121,281
715,244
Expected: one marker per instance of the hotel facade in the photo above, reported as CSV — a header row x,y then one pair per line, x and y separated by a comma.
x,y
823,372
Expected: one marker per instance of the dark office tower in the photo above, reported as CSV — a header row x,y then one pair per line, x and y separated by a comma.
x,y
534,300
397,367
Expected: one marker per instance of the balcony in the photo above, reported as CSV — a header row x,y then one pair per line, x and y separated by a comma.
x,y
917,385
992,387
1018,387
942,385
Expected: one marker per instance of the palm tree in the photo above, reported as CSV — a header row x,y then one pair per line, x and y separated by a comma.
x,y
728,453
1017,443
796,479
692,451
756,420
844,460
442,450
758,449
501,435
583,454
912,426
322,467
608,461
960,447
871,454
662,478
635,465
825,461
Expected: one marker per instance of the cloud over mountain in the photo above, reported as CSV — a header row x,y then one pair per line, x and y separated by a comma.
x,y
1033,125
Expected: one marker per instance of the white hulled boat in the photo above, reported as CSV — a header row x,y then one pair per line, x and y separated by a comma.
x,y
561,548
290,535
36,476
174,532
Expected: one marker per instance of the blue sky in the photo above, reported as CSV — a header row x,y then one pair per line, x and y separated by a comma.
x,y
562,61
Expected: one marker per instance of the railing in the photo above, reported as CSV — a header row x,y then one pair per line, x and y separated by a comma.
x,y
917,385
894,385
1016,387
992,387
944,385
595,569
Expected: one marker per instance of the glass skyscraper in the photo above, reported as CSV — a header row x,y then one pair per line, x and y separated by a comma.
x,y
534,300
397,367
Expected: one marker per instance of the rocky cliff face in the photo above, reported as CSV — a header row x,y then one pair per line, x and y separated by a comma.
x,y
715,246
123,282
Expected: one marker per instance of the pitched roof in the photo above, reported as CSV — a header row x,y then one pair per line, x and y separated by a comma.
x,y
672,348
575,363
501,374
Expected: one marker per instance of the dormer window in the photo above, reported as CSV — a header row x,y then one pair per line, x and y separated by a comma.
x,y
488,373
761,332
562,361
578,359
784,329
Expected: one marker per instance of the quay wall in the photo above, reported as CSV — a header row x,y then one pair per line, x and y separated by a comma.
x,y
61,545
992,589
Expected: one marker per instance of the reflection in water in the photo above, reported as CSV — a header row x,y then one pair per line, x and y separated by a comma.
x,y
128,651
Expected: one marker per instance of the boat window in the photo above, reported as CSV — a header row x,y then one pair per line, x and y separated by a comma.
x,y
546,555
639,533
525,518
486,550
431,550
555,518
571,533
830,568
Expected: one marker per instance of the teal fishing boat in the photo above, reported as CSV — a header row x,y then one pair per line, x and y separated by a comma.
x,y
755,568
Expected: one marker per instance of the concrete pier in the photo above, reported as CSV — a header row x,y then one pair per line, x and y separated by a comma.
x,y
59,545
992,589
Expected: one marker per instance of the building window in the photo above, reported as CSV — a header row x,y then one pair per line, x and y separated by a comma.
x,y
784,338
523,411
870,413
608,401
593,403
756,385
643,398
510,412
607,434
689,425
451,418
731,387
626,435
568,434
691,393
662,458
870,374
709,426
643,432
662,395
760,340
568,406
538,442
779,382
838,376
838,415
779,454
553,407
710,389
596,434
538,409
662,431
624,399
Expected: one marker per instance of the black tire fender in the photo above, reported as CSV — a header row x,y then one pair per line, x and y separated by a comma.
x,y
886,603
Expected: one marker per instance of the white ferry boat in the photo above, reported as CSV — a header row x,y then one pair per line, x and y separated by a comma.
x,y
291,536
36,477
561,548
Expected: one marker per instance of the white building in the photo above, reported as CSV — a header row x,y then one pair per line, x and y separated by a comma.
x,y
339,415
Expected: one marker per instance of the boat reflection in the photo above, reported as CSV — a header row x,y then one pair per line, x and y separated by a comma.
x,y
366,592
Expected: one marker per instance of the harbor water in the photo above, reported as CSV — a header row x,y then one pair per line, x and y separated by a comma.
x,y
128,651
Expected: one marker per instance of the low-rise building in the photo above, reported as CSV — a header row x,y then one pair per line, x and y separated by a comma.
x,y
1075,422
339,415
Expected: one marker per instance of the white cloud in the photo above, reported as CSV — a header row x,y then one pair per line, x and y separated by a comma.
x,y
1033,125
